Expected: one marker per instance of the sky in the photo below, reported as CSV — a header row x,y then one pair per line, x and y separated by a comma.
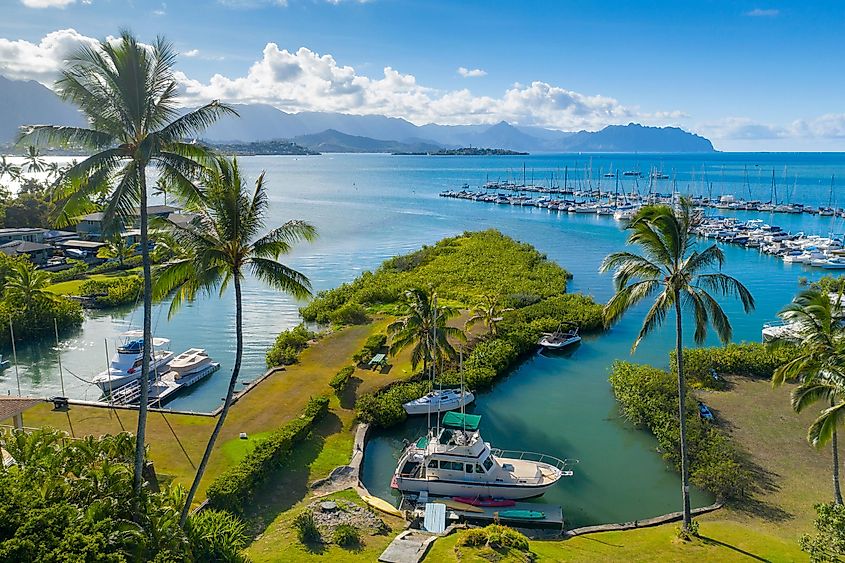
x,y
760,76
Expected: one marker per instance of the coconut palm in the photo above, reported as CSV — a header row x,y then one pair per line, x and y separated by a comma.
x,y
218,247
26,284
679,277
117,248
424,327
35,163
819,367
10,169
129,94
488,312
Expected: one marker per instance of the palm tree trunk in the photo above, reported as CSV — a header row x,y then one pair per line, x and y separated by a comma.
x,y
837,493
682,417
226,404
148,341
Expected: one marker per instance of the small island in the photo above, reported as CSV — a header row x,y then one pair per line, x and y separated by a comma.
x,y
274,147
466,151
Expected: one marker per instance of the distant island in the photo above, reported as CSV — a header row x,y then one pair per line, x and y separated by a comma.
x,y
466,151
274,147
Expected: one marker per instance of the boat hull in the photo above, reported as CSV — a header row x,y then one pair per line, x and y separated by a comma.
x,y
445,488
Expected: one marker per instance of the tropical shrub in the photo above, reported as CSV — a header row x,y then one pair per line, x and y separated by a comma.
x,y
288,345
77,269
306,527
217,535
349,314
346,535
751,359
113,292
460,269
828,541
548,314
495,536
374,343
341,379
384,408
35,319
235,487
110,266
648,397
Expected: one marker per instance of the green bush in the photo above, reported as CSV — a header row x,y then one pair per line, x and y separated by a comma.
x,y
374,343
648,397
495,536
112,292
384,408
236,486
306,527
111,266
217,536
461,269
76,271
751,359
288,345
346,535
828,541
341,379
350,314
34,319
546,315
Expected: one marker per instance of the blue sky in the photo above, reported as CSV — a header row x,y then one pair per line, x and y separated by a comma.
x,y
750,75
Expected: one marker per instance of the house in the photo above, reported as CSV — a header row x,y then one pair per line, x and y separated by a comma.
x,y
28,234
37,252
91,226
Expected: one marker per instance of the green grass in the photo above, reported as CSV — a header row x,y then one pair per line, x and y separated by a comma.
x,y
719,541
279,541
71,287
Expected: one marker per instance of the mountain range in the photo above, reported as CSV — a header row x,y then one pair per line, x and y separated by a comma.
x,y
28,102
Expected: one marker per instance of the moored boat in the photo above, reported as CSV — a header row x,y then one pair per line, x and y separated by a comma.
x,y
559,339
453,460
439,400
125,364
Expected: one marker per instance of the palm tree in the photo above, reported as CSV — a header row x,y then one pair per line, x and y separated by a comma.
x,y
819,366
129,94
27,284
118,249
676,272
9,169
35,163
424,327
218,246
489,312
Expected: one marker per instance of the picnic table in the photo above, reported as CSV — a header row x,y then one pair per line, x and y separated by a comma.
x,y
379,360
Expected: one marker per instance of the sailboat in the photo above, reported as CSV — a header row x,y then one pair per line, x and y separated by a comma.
x,y
438,400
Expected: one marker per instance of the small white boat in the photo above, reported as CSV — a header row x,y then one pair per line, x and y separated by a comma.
x,y
125,364
188,362
559,339
440,400
4,363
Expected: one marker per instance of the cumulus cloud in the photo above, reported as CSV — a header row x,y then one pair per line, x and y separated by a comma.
x,y
47,3
191,53
763,13
40,61
161,11
474,73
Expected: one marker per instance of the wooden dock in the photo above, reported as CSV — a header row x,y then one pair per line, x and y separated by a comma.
x,y
481,515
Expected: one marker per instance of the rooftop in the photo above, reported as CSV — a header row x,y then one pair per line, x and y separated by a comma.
x,y
13,406
23,247
21,231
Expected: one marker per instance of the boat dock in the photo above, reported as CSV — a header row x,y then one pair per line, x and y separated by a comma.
x,y
458,512
162,389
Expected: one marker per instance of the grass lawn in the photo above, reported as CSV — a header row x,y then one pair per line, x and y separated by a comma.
x,y
719,542
176,442
71,287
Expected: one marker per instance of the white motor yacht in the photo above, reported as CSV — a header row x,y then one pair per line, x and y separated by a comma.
x,y
455,461
189,362
125,365
440,400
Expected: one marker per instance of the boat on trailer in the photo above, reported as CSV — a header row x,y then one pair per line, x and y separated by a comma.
x,y
453,460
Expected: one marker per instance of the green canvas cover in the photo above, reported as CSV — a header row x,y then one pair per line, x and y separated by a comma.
x,y
454,419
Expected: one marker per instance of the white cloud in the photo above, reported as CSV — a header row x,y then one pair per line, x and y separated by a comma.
x,y
763,13
191,53
40,61
47,3
161,11
474,73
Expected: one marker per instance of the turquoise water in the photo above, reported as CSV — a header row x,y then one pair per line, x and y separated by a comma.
x,y
370,207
